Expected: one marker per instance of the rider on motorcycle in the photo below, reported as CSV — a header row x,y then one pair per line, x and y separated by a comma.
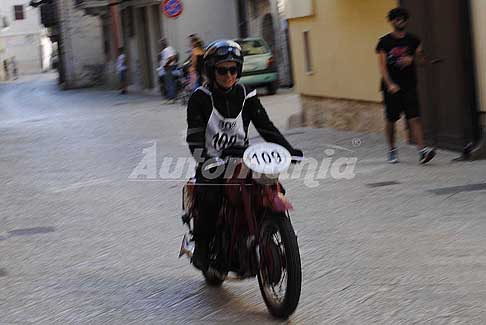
x,y
218,116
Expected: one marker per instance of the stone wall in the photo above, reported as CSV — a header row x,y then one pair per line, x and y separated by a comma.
x,y
345,115
22,39
82,47
26,49
257,10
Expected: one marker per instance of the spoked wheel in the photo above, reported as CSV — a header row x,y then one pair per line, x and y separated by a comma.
x,y
280,274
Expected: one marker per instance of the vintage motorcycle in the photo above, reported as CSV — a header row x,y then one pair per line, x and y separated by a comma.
x,y
255,236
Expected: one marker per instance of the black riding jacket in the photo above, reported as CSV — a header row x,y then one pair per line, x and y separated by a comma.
x,y
229,105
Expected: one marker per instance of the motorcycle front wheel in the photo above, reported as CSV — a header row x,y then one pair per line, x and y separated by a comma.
x,y
214,277
280,273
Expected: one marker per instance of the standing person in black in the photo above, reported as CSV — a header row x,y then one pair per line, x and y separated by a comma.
x,y
398,53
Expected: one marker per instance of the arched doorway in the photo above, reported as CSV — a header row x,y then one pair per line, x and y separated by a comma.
x,y
268,30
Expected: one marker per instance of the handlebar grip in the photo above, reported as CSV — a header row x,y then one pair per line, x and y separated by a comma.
x,y
297,159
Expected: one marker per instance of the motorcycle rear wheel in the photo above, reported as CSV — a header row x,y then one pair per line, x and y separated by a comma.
x,y
280,266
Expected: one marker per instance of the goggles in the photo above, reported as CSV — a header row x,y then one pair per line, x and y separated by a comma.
x,y
226,51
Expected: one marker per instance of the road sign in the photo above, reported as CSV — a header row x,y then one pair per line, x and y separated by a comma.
x,y
172,8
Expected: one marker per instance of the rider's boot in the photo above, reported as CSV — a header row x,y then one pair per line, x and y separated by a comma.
x,y
200,258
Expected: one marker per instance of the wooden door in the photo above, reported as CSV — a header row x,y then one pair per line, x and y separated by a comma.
x,y
447,89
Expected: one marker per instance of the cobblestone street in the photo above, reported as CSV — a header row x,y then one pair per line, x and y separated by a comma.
x,y
82,244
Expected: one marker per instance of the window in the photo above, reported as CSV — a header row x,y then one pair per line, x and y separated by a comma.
x,y
253,47
19,12
307,53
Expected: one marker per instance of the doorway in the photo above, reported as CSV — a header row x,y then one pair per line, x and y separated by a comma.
x,y
447,89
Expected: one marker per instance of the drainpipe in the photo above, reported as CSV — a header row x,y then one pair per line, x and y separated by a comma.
x,y
243,18
279,43
475,151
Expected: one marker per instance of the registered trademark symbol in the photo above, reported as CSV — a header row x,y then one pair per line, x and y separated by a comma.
x,y
357,142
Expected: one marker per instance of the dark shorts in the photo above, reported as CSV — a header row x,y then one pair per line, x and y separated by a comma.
x,y
405,101
123,76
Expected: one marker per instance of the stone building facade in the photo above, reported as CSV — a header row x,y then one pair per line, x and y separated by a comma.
x,y
81,46
266,19
23,38
78,42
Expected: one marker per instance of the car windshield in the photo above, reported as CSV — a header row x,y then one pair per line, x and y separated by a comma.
x,y
252,47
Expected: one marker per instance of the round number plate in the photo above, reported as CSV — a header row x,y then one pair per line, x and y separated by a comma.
x,y
267,158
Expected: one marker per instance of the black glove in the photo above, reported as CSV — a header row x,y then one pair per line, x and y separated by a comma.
x,y
296,153
234,152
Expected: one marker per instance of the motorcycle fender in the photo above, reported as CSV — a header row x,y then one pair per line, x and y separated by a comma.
x,y
281,204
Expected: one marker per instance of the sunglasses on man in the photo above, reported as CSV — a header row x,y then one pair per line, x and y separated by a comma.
x,y
400,18
222,71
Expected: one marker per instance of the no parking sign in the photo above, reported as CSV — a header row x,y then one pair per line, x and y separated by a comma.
x,y
172,8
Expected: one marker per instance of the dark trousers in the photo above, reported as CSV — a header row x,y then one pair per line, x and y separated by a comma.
x,y
209,193
170,83
162,85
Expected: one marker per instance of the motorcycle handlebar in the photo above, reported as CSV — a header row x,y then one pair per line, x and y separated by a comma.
x,y
233,152
222,161
237,152
297,160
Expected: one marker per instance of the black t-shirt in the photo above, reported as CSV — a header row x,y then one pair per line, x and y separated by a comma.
x,y
395,49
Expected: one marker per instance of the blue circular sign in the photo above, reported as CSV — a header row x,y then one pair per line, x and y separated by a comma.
x,y
172,8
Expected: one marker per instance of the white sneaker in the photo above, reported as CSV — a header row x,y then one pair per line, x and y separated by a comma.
x,y
426,155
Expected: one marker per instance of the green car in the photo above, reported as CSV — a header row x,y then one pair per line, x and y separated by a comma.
x,y
259,69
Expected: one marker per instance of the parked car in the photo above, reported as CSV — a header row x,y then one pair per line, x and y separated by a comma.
x,y
259,69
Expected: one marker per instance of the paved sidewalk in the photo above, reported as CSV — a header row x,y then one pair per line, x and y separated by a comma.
x,y
400,243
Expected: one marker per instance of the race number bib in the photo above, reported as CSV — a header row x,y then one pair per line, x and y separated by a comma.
x,y
267,158
222,141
